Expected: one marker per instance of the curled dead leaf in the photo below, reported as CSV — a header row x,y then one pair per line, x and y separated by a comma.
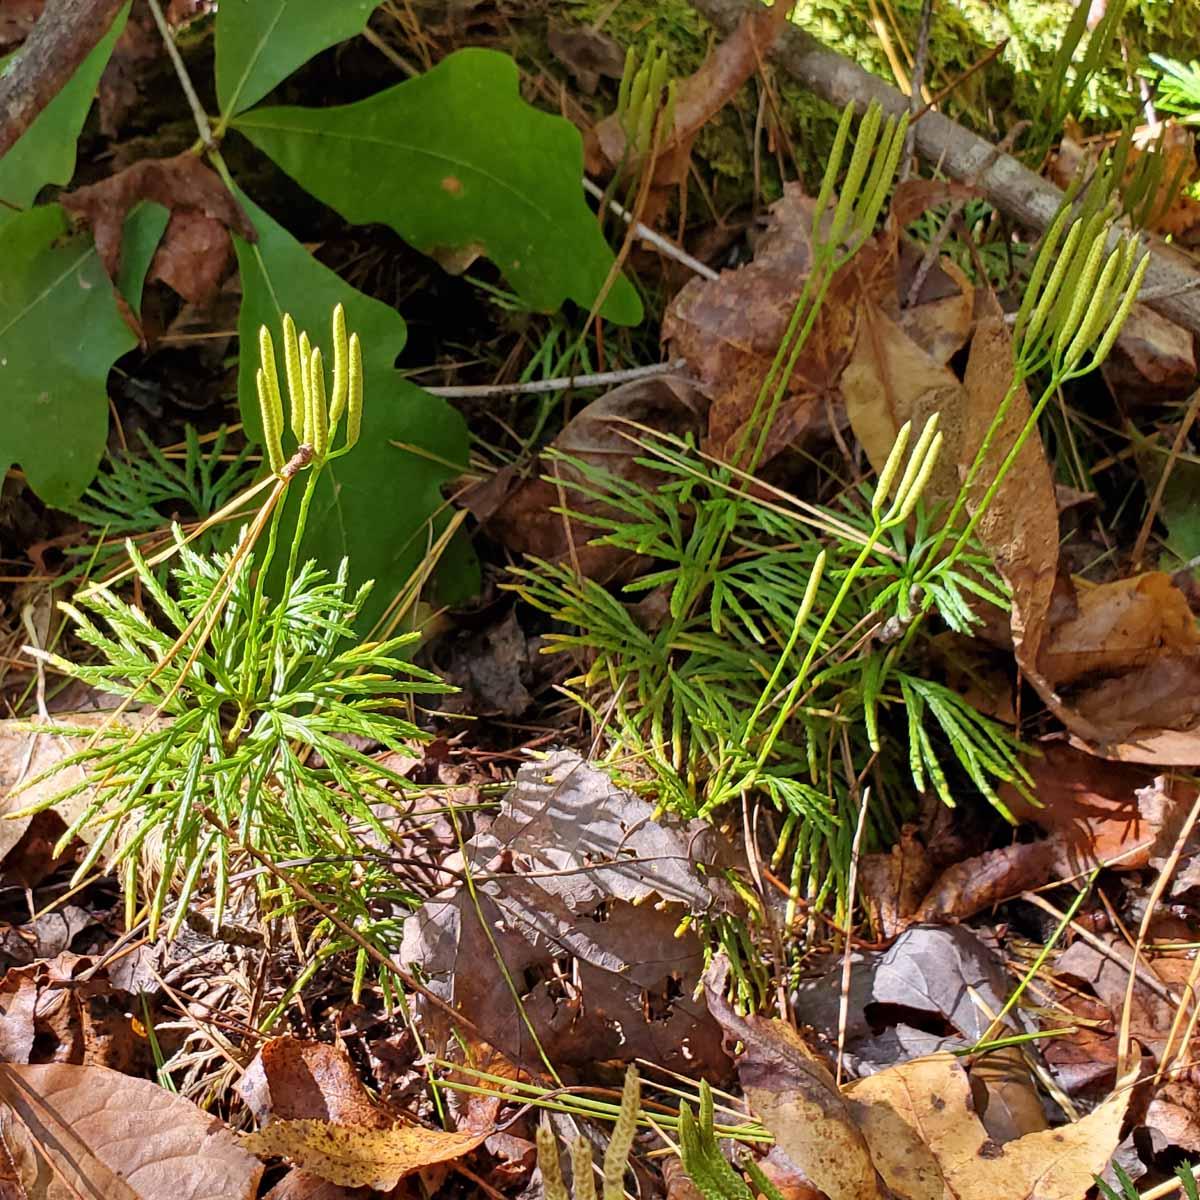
x,y
793,1093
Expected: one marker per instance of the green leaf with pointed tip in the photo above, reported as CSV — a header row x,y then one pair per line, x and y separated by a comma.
x,y
45,152
261,42
455,159
60,332
379,505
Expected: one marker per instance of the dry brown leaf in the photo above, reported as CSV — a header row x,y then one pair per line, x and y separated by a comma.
x,y
27,750
1005,1097
941,324
892,885
728,329
928,1144
1118,625
977,883
113,1137
355,1156
1100,812
1174,1117
889,380
792,1092
294,1079
516,508
196,245
1020,526
1152,362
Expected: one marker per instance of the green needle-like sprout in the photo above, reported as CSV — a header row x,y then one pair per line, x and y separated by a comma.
x,y
553,1185
1047,255
1083,294
581,1169
833,166
272,438
916,474
305,355
1121,315
295,376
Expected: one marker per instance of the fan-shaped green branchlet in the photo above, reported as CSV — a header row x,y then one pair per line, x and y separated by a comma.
x,y
354,403
317,420
1122,314
341,367
1046,255
271,424
891,467
295,377
581,1169
832,167
553,1185
616,1157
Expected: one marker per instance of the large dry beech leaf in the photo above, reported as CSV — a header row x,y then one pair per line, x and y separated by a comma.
x,y
909,1132
293,1079
928,1144
88,1133
359,1156
575,880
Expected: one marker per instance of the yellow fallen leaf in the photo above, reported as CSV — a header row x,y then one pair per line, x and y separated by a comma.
x,y
928,1144
355,1156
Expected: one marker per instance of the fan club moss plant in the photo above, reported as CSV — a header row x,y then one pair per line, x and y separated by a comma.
x,y
257,701
792,661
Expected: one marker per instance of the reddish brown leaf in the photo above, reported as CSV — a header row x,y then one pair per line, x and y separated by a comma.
x,y
729,329
1101,812
294,1079
114,1137
978,883
195,251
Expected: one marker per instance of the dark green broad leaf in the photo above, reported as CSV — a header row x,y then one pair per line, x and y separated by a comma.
x,y
45,152
456,160
261,42
60,333
380,505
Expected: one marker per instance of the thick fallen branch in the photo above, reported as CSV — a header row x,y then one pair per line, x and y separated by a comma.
x,y
1172,285
64,36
